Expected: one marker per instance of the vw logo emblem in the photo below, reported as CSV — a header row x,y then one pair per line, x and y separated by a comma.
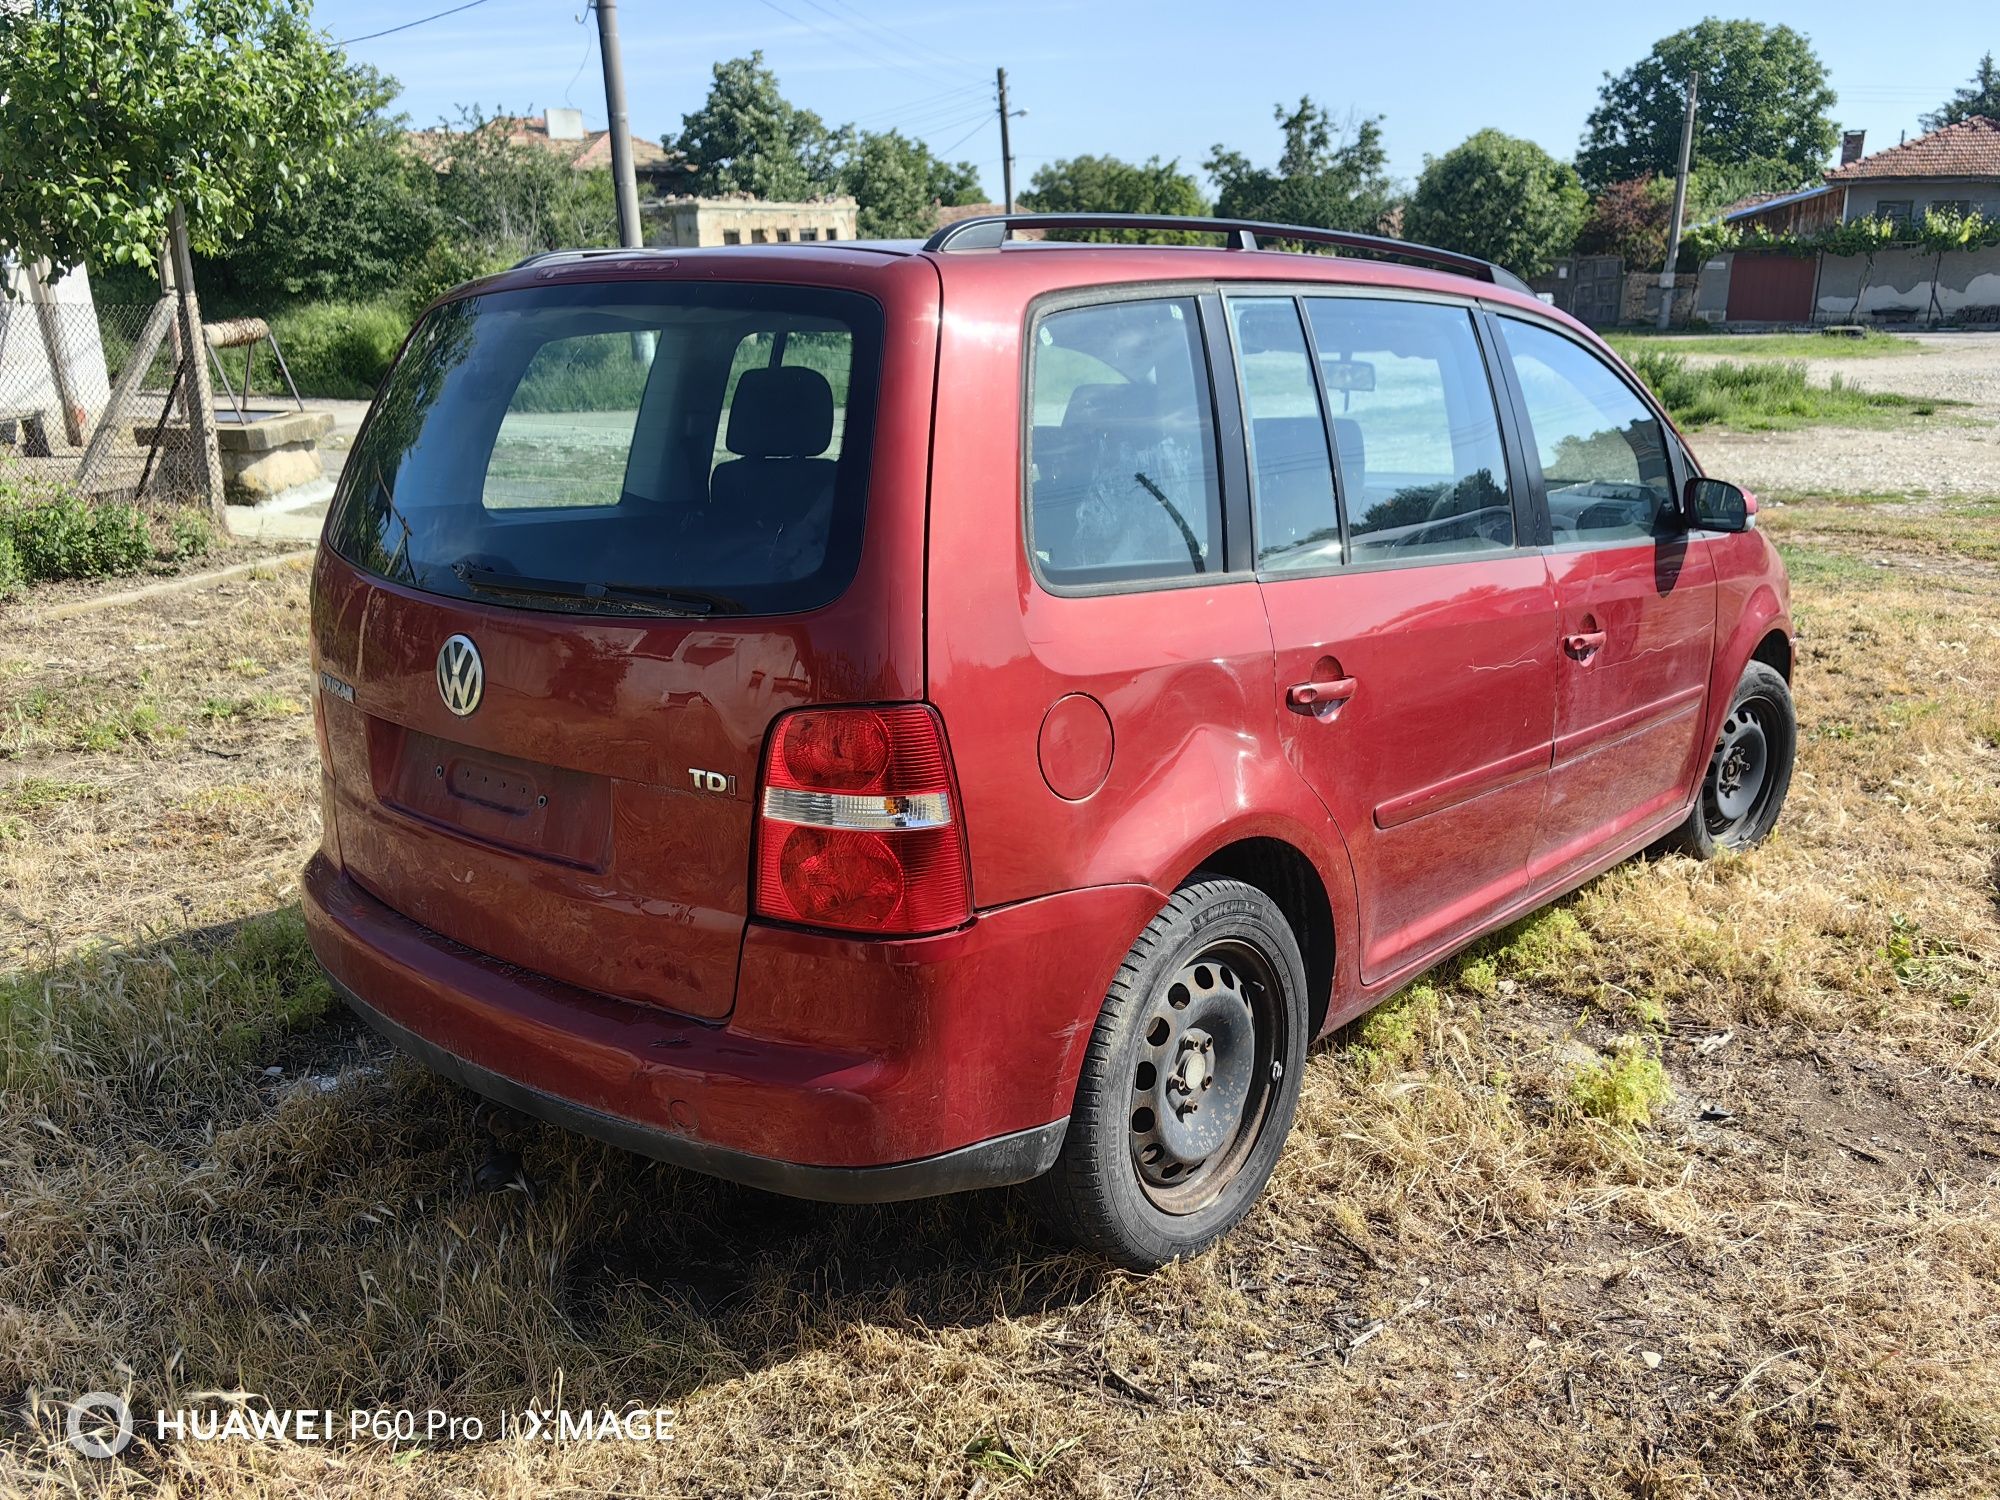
x,y
461,675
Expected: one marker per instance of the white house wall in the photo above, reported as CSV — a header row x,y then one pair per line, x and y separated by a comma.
x,y
1900,282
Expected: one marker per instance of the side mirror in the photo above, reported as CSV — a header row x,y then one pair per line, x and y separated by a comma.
x,y
1717,505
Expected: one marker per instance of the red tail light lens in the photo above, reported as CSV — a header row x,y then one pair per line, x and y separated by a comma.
x,y
859,829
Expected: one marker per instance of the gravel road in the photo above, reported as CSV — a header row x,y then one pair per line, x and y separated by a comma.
x,y
1954,453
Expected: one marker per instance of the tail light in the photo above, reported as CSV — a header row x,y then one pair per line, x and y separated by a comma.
x,y
859,829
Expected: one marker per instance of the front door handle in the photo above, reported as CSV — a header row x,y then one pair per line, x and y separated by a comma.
x,y
1321,699
1584,644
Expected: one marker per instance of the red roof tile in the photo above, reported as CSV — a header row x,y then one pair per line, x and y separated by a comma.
x,y
1971,148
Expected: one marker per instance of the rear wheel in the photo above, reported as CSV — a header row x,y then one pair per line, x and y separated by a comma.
x,y
1190,1083
1749,769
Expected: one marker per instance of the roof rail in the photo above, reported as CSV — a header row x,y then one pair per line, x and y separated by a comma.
x,y
599,253
989,231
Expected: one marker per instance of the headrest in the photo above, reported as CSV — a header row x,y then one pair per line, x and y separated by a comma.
x,y
786,412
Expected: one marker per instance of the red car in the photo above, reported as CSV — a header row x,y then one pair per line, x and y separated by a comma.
x,y
874,720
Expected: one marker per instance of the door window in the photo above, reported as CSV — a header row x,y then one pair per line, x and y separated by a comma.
x,y
1606,464
1122,474
1297,523
1416,434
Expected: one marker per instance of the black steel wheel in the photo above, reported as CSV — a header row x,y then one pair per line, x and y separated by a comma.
x,y
1749,771
1189,1085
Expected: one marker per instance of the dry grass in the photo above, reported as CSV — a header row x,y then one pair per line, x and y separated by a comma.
x,y
1477,1269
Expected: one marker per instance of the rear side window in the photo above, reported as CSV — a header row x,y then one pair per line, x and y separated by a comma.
x,y
1416,434
568,426
1605,461
1122,479
623,448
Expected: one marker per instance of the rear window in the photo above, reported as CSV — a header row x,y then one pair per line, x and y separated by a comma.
x,y
622,447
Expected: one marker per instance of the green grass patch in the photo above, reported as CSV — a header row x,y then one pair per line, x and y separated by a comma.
x,y
1766,396
1626,1088
1816,565
339,350
131,1028
34,794
1870,345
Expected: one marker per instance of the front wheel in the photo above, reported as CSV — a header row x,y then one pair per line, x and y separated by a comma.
x,y
1190,1082
1749,769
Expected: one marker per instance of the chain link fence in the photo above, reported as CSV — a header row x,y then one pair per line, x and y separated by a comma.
x,y
64,428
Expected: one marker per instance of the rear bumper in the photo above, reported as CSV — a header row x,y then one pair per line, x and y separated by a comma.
x,y
849,1071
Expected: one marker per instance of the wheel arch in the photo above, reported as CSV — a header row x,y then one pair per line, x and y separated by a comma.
x,y
1287,874
1775,651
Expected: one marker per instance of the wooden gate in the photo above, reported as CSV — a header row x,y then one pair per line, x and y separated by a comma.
x,y
1765,288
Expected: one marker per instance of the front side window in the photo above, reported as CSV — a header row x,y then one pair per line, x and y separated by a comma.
x,y
1297,522
1122,477
622,448
1606,464
1416,433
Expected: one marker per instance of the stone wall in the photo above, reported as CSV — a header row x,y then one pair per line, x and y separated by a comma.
x,y
1641,303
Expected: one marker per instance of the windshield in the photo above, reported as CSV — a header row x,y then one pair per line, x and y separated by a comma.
x,y
622,448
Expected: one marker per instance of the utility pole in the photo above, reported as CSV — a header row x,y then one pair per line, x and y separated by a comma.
x,y
1680,207
1006,149
622,177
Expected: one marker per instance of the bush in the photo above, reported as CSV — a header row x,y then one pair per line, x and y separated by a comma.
x,y
11,578
189,534
69,537
340,349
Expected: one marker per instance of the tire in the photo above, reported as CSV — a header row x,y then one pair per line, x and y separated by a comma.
x,y
1190,1082
1749,769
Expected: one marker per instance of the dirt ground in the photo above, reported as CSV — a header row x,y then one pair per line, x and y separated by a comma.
x,y
1957,453
1461,1280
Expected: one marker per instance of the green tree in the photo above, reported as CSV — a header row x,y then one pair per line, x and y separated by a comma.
x,y
1106,184
1763,95
898,183
1716,185
359,235
748,138
1980,97
1328,177
498,198
117,110
1500,198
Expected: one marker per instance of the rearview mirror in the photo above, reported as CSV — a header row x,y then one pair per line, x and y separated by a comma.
x,y
1348,374
1717,505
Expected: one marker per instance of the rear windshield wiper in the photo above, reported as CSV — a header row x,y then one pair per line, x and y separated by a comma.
x,y
666,601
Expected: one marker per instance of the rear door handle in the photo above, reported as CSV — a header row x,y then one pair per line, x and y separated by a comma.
x,y
1322,699
1584,644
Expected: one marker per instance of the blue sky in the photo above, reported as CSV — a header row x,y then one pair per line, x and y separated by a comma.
x,y
1132,79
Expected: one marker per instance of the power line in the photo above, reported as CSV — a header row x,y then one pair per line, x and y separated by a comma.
x,y
985,119
407,25
928,102
932,124
893,31
847,39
